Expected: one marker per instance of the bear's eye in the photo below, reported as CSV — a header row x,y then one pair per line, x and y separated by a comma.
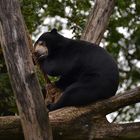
x,y
40,43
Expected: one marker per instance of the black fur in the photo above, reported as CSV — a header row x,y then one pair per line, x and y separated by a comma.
x,y
87,72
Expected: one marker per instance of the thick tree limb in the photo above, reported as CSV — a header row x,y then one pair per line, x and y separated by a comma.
x,y
83,123
101,108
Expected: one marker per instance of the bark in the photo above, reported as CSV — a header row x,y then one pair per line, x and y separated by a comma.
x,y
82,123
31,106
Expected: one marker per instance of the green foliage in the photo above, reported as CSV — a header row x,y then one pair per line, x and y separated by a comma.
x,y
7,101
122,37
126,16
31,12
75,12
125,46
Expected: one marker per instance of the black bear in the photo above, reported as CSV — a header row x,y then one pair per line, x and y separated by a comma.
x,y
87,72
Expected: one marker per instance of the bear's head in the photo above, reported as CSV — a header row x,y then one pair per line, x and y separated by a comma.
x,y
47,43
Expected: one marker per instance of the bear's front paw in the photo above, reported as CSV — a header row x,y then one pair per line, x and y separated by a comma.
x,y
50,107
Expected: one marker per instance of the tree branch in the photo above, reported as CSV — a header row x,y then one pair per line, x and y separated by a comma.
x,y
98,20
100,108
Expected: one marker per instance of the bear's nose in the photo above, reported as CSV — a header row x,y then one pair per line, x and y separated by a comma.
x,y
40,50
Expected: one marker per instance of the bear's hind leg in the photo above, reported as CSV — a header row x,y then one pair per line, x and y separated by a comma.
x,y
78,94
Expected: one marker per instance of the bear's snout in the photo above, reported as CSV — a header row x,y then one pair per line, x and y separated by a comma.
x,y
40,50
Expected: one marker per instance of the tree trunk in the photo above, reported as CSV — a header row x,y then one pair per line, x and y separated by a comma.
x,y
31,106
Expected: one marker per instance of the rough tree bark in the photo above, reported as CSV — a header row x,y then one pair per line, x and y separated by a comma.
x,y
86,123
31,106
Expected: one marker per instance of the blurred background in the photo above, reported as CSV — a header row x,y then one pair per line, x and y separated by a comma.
x,y
121,40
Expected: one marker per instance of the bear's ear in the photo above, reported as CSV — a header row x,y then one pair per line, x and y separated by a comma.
x,y
54,31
